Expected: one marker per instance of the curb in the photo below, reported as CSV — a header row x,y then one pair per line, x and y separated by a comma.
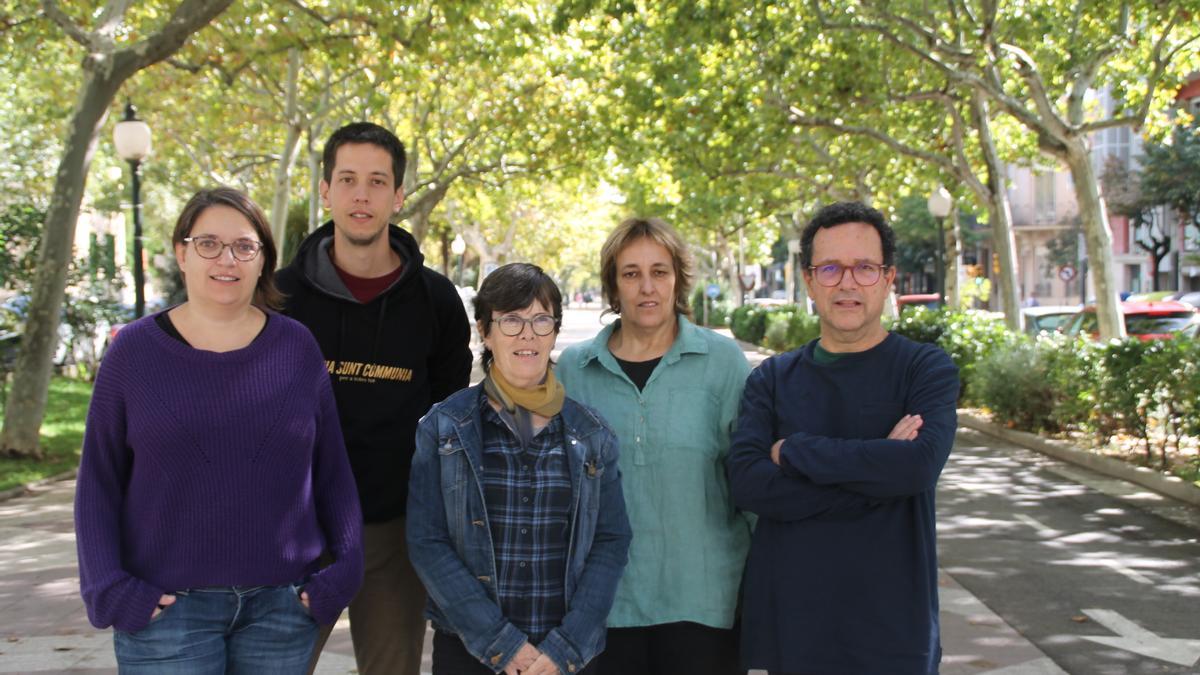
x,y
1171,486
28,487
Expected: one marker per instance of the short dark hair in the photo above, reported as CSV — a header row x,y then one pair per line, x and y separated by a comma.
x,y
511,288
266,294
364,132
840,214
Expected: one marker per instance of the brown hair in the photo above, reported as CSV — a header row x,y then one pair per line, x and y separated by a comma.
x,y
658,231
265,293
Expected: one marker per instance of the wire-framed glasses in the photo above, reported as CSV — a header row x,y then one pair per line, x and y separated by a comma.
x,y
864,273
512,325
208,247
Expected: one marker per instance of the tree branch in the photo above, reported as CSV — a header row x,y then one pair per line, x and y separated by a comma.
x,y
73,31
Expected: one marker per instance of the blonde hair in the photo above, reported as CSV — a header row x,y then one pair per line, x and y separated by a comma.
x,y
658,231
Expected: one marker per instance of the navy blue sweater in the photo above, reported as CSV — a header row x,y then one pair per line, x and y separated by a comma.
x,y
842,573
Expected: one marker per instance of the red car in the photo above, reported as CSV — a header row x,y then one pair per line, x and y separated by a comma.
x,y
1160,320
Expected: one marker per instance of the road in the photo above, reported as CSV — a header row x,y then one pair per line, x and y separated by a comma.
x,y
1047,568
1064,555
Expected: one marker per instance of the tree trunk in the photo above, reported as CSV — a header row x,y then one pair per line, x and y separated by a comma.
x,y
953,260
1004,243
1004,247
291,145
31,376
314,185
1098,238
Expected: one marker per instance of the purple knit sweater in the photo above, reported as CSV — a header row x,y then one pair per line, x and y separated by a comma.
x,y
213,469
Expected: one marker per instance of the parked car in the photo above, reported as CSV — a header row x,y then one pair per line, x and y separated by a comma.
x,y
1190,297
927,300
1143,320
1048,318
1151,296
15,311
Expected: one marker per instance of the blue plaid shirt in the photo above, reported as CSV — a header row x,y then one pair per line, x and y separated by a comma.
x,y
527,492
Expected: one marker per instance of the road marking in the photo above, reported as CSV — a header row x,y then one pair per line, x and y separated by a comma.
x,y
1128,572
1038,526
1134,638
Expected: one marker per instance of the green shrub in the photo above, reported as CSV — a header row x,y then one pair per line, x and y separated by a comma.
x,y
1123,396
965,336
776,336
802,329
1014,383
1071,370
1169,374
921,324
749,323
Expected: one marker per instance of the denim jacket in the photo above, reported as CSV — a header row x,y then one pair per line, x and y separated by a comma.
x,y
450,543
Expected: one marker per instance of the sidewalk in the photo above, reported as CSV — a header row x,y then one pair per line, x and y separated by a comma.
x,y
44,628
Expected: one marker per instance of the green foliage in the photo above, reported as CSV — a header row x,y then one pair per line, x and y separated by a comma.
x,y
20,237
966,336
802,329
775,335
749,323
1147,390
61,435
1171,172
1015,385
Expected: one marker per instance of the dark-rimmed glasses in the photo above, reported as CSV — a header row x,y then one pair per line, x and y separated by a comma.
x,y
512,325
244,250
864,273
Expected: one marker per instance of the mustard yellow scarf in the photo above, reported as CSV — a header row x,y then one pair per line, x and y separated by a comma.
x,y
546,399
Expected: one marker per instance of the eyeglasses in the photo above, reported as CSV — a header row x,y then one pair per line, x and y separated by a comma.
x,y
831,274
512,325
244,250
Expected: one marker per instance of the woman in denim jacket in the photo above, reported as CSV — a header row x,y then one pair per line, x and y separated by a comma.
x,y
516,521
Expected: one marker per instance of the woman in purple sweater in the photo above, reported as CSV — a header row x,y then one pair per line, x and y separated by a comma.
x,y
214,473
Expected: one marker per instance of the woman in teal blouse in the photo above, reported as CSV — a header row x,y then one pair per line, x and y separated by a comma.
x,y
670,391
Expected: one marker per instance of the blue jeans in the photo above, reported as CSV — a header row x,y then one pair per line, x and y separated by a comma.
x,y
239,629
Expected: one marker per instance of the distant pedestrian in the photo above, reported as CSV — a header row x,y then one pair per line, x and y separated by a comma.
x,y
213,471
394,334
838,449
516,521
670,390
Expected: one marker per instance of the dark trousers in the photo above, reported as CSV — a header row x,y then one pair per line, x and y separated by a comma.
x,y
450,657
682,648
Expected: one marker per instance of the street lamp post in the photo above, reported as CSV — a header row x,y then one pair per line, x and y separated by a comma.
x,y
939,207
458,247
132,139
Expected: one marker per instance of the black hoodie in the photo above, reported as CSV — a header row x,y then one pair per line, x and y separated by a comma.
x,y
389,359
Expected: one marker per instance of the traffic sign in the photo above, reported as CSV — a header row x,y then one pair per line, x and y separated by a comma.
x,y
1066,272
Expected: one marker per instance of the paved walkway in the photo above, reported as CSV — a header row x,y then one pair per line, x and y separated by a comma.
x,y
43,627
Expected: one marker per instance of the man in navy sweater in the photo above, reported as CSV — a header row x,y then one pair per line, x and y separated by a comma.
x,y
838,449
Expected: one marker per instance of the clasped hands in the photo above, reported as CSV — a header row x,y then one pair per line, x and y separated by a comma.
x,y
905,430
530,661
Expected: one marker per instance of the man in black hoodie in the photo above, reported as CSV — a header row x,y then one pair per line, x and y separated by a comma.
x,y
396,341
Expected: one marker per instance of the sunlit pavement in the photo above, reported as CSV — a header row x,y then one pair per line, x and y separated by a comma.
x,y
1047,568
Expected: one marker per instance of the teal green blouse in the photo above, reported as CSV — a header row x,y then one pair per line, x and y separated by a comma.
x,y
689,542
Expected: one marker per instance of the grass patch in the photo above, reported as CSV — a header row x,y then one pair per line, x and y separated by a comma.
x,y
61,435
